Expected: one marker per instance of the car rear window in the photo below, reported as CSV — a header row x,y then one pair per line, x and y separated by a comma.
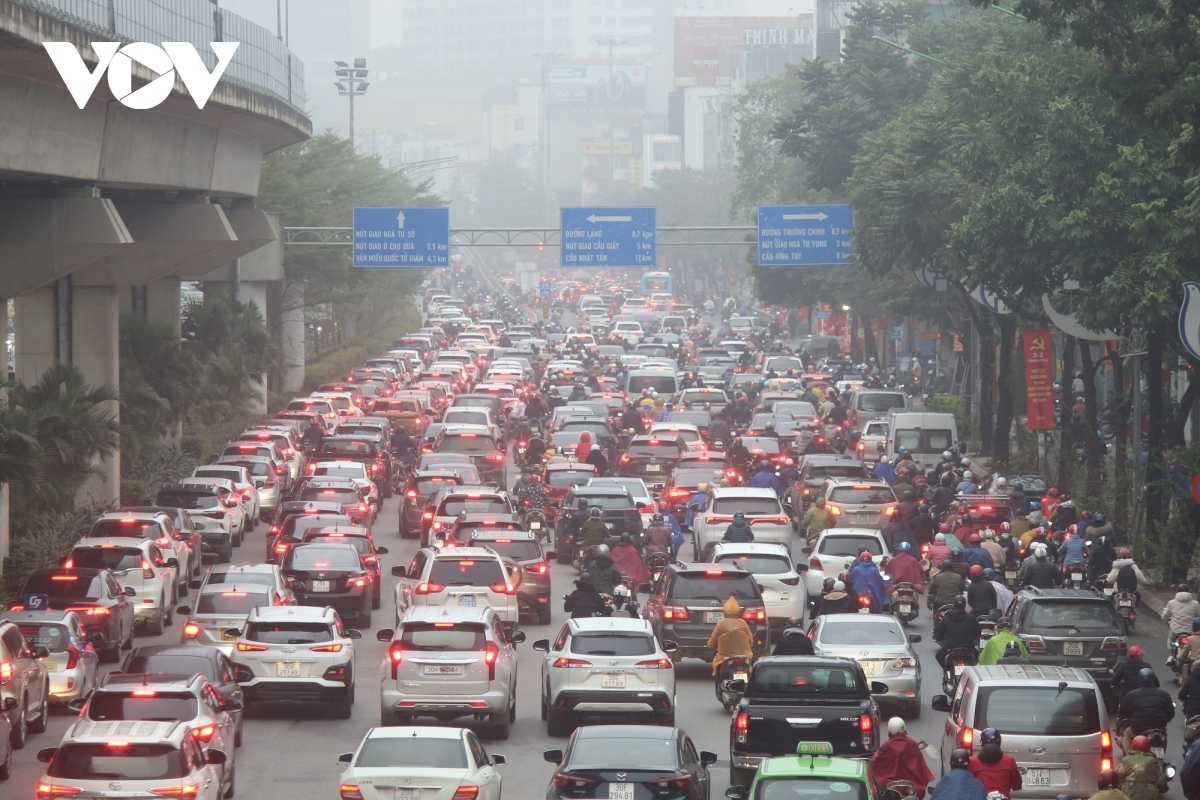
x,y
359,543
568,477
383,752
923,441
868,495
355,470
256,578
485,504
606,502
817,473
467,572
663,384
356,448
313,556
63,586
170,665
181,498
433,637
237,603
612,644
114,558
288,632
256,468
397,406
1038,710
516,549
803,680
880,401
346,496
747,505
883,632
119,528
469,443
761,444
131,762
848,545
630,752
660,449
142,704
465,416
701,586
52,637
757,563
1070,614
308,405
427,486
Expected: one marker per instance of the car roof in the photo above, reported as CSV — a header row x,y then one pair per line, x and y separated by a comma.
x,y
221,588
590,490
291,613
423,732
51,616
209,653
614,624
871,532
448,613
772,548
698,567
842,481
463,552
148,516
111,542
150,681
814,767
488,536
1036,674
1085,595
87,731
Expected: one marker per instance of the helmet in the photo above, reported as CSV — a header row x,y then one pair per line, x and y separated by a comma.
x,y
946,454
1052,491
896,725
790,462
1013,649
989,736
1183,587
944,527
1005,527
884,460
742,399
1004,623
1124,553
1100,518
960,603
1140,744
975,538
1072,530
944,566
1040,552
839,586
602,550
658,517
956,555
1196,624
904,547
1108,780
770,426
902,449
626,538
865,555
595,512
535,477
1146,677
764,464
827,585
702,486
1086,515
1136,653
988,534
1000,484
940,538
989,573
976,571
961,759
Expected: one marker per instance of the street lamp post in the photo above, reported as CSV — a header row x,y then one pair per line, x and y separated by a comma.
x,y
545,134
610,43
351,82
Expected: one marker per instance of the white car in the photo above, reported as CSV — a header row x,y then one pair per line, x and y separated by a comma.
x,y
242,481
343,402
779,580
689,433
637,490
237,510
836,548
459,576
606,665
296,653
219,613
352,471
154,525
146,759
761,507
448,662
431,762
140,565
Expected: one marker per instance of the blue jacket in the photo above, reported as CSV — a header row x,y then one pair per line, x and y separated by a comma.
x,y
765,479
676,531
959,784
975,554
866,580
1189,775
886,472
967,487
1072,550
698,499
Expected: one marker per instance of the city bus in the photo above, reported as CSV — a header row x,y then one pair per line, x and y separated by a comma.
x,y
657,283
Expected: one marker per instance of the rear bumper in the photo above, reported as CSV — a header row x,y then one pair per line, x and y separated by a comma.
x,y
342,603
67,686
444,706
615,702
308,689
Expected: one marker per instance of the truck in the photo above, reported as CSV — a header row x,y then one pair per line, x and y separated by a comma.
x,y
791,699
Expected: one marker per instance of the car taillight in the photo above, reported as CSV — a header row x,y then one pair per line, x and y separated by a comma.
x,y
1110,643
570,783
1106,751
571,662
428,515
814,563
503,588
204,734
466,793
230,502
741,726
889,511
677,783
1033,643
147,570
834,511
866,727
429,588
791,581
6,672
904,661
395,656
90,611
247,647
191,630
754,613
411,493
73,653
350,791
966,738
46,791
655,663
626,458
273,530
182,790
491,655
676,613
356,582
543,568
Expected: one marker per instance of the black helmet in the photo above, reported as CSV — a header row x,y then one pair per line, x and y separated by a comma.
x,y
1196,624
957,555
960,603
1183,587
960,759
1004,624
626,538
1146,677
989,736
1013,649
827,585
1108,779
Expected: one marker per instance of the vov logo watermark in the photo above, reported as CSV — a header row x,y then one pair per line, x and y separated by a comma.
x,y
118,60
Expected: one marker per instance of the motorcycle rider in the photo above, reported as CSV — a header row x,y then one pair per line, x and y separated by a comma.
x,y
1004,595
834,599
1125,675
1013,655
1141,774
1100,527
900,759
1180,612
959,783
739,455
957,629
1144,708
997,646
816,520
904,568
945,586
765,478
793,641
959,563
738,531
981,594
731,636
658,536
898,532
940,551
1039,570
999,557
975,555
1190,652
1102,555
994,768
884,471
1125,574
603,572
585,602
867,582
1109,785
698,499
1189,693
1072,549
1007,542
1018,500
594,531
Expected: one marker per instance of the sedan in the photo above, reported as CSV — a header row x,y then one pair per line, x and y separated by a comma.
x,y
70,660
881,647
623,762
408,763
330,575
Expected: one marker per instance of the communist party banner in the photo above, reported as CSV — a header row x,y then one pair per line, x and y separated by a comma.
x,y
1039,380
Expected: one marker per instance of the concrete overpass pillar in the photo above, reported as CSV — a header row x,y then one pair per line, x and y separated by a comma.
x,y
35,333
162,301
95,350
256,292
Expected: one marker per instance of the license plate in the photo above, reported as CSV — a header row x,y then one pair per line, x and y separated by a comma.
x,y
406,793
1037,777
958,668
612,682
649,468
1159,752
320,586
51,666
620,791
713,616
287,670
1011,574
868,667
1072,648
535,525
466,600
1125,603
862,519
739,676
229,637
1076,576
905,608
443,669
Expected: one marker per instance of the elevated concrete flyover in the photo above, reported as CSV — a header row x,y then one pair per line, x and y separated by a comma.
x,y
108,203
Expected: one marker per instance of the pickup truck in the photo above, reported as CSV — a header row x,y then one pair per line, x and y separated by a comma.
x,y
793,699
873,441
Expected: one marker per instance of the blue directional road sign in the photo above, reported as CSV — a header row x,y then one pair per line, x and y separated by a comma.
x,y
795,236
545,289
608,237
402,237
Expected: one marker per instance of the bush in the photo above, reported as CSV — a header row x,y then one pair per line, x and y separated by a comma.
x,y
952,404
338,364
150,470
43,544
202,442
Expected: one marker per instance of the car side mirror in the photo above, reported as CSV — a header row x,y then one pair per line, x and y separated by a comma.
x,y
384,636
553,756
640,506
232,704
694,507
707,757
9,704
242,674
353,634
542,645
941,703
383,551
499,760
345,758
516,637
915,638
46,755
185,611
669,646
173,563
399,572
736,793
878,687
130,592
550,555
216,757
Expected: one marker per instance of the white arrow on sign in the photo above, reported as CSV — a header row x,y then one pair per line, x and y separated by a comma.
x,y
400,220
594,219
821,217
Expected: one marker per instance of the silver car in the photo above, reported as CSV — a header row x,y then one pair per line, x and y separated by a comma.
x,y
219,613
71,662
881,647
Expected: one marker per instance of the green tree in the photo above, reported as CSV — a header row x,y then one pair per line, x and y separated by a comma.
x,y
233,348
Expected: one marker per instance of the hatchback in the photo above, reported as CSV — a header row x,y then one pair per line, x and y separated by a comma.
x,y
524,548
182,660
761,507
70,659
330,576
138,564
23,678
479,445
651,458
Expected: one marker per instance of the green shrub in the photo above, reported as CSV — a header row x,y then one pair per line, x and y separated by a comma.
x,y
150,470
952,404
336,365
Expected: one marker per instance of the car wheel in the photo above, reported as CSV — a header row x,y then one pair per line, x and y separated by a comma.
x,y
112,654
156,628
558,723
563,557
914,710
226,554
39,724
512,708
128,643
545,708
169,619
182,589
741,777
544,615
364,619
343,705
20,732
6,765
376,600
231,788
498,726
237,736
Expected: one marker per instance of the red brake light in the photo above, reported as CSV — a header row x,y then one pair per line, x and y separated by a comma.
x,y
571,662
754,614
429,588
47,791
466,793
204,734
655,663
966,738
191,630
247,647
6,672
676,613
490,656
350,791
327,648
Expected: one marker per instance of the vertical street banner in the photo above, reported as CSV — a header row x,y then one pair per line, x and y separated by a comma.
x,y
1039,379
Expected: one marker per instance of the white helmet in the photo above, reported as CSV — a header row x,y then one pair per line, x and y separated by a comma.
x,y
896,725
940,538
946,454
602,550
1001,483
884,459
1040,551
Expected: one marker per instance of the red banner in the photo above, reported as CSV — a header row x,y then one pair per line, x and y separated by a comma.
x,y
1039,380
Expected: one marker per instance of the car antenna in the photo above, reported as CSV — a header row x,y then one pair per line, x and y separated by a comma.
x,y
1062,687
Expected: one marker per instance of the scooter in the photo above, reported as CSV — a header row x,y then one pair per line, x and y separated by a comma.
x,y
987,629
657,563
956,661
733,668
1073,576
904,603
1010,575
1178,640
536,521
1126,604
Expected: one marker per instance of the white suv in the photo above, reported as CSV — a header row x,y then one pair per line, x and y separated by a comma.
x,y
605,666
783,590
138,564
763,511
449,662
296,653
458,576
145,759
836,548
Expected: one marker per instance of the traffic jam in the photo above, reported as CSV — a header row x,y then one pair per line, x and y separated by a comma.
x,y
724,561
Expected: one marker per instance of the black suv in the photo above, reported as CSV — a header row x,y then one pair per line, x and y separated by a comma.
x,y
1070,628
687,602
650,458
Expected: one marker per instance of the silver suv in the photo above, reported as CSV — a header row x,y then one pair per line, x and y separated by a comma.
x,y
448,662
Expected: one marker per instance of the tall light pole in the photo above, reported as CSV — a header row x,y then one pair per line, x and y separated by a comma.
x,y
351,82
545,134
610,43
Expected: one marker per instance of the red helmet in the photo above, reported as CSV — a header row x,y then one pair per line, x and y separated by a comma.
x,y
535,477
1072,530
944,527
1136,652
1086,515
865,555
976,571
1140,744
1005,527
1053,492
1124,553
975,538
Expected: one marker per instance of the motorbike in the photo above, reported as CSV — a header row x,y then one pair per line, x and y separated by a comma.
x,y
657,563
519,452
1126,603
904,603
957,659
940,612
536,522
733,668
1178,640
1074,576
898,790
1010,575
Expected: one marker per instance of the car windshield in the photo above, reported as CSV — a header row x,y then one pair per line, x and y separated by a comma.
x,y
1038,710
465,416
848,545
288,632
516,549
182,498
468,443
809,789
313,556
761,444
129,762
701,586
568,477
359,543
236,603
758,563
397,406
64,586
213,472
481,504
595,427
612,644
257,469
880,401
467,572
747,505
54,638
688,478
629,752
169,665
1073,614
803,680
437,636
114,558
880,633
380,752
797,408
142,704
862,495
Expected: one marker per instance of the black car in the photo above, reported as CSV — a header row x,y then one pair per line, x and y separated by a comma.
x,y
523,547
177,659
686,602
630,761
816,469
361,540
94,595
416,493
484,451
292,531
330,575
650,458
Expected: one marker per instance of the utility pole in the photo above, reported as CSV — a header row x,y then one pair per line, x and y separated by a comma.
x,y
610,43
351,82
544,137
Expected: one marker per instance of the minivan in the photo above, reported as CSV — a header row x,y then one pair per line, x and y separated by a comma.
x,y
869,405
662,381
925,434
1052,720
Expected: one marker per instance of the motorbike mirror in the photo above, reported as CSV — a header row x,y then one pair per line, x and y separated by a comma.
x,y
1022,770
737,686
941,703
915,638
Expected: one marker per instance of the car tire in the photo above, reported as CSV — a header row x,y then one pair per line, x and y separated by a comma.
x,y
364,618
376,598
111,655
169,617
389,719
563,557
558,723
544,615
545,709
237,736
225,555
344,704
39,725
6,765
741,777
914,710
128,643
156,628
408,534
232,787
20,731
182,589
499,726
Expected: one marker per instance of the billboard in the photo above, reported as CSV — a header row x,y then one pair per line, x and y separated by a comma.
x,y
583,84
709,51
